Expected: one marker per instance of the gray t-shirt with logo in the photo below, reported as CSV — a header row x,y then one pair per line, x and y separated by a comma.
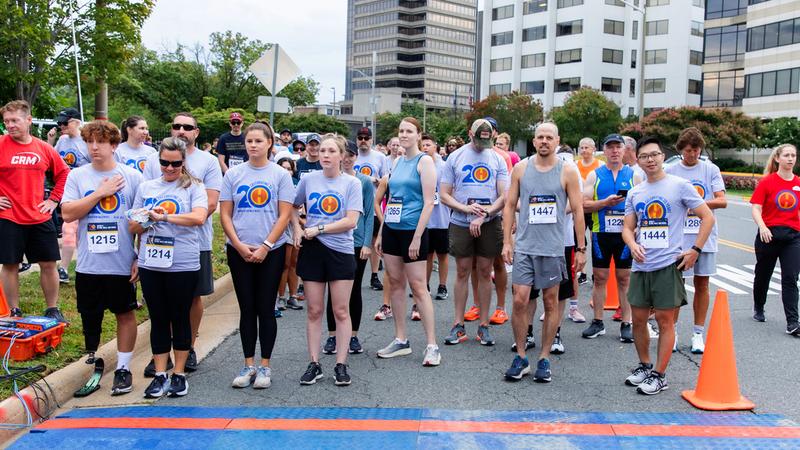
x,y
105,247
255,193
706,180
474,176
73,151
373,164
328,200
133,157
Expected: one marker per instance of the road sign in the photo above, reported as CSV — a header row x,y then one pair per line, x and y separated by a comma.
x,y
264,69
281,104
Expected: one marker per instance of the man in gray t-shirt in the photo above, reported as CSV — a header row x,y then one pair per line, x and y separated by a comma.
x,y
655,211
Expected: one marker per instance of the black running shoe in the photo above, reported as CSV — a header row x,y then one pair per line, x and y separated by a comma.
x,y
596,328
313,373
441,293
341,378
24,267
355,346
150,370
191,361
375,283
178,386
55,313
582,279
758,316
63,276
793,329
15,312
123,382
157,388
330,346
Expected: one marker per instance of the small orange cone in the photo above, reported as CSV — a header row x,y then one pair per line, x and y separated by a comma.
x,y
4,310
612,296
718,382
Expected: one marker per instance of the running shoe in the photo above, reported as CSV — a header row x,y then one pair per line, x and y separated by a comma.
x,y
793,330
355,346
157,388
150,369
698,346
63,276
596,328
191,361
626,332
519,368
278,313
441,293
245,377
639,374
340,376
582,279
301,293
617,317
575,315
432,356
542,374
123,382
675,343
55,313
530,343
293,303
499,317
653,384
24,267
330,346
263,378
472,314
178,386
15,312
652,331
375,283
758,316
484,337
435,266
541,318
415,314
384,312
396,348
312,374
557,348
281,304
458,334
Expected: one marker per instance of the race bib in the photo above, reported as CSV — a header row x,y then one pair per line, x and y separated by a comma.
x,y
159,251
435,198
304,173
614,221
234,161
394,209
542,209
102,237
654,233
691,225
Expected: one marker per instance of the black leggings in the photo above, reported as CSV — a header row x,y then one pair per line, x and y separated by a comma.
x,y
256,286
355,296
785,245
169,298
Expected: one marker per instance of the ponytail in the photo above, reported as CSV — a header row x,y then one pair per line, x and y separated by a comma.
x,y
130,122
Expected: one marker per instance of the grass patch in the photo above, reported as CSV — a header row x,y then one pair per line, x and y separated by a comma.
x,y
71,348
739,192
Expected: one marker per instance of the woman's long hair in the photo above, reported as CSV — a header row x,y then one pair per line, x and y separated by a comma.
x,y
772,163
176,144
130,122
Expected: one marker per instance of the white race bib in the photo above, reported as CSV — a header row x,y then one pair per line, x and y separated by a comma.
x,y
159,251
234,161
614,221
691,225
394,209
654,233
542,209
435,198
102,237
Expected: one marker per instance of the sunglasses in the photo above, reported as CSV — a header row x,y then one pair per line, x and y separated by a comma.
x,y
235,122
165,163
299,149
362,138
187,127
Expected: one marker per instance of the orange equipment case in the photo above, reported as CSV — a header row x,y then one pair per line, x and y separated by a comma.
x,y
28,347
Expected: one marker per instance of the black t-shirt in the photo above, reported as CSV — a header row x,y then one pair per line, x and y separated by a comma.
x,y
304,167
232,148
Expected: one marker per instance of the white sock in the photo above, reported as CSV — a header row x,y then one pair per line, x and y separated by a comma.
x,y
124,360
698,329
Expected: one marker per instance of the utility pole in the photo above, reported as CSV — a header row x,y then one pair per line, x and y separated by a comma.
x,y
372,94
334,100
640,82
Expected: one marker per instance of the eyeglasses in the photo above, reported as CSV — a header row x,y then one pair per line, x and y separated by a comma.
x,y
235,122
165,163
649,156
362,138
187,127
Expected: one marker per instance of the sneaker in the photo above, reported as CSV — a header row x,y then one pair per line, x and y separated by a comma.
x,y
474,313
15,312
355,346
653,384
415,314
698,346
330,346
582,279
123,382
499,317
557,348
301,293
384,312
340,376
639,374
626,332
758,316
575,315
484,337
432,356
63,276
245,377
263,378
281,304
278,313
458,334
55,313
157,388
23,267
178,386
596,328
793,330
375,283
541,318
435,267
519,368
530,343
441,293
396,348
293,304
542,374
150,369
617,317
652,331
191,361
675,344
312,374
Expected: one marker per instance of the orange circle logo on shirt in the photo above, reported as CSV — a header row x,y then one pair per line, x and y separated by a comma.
x,y
109,204
70,158
701,190
786,200
329,204
140,164
170,206
365,170
655,210
259,196
481,174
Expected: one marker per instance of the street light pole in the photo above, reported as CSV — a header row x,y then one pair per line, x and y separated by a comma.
x,y
372,94
334,100
640,91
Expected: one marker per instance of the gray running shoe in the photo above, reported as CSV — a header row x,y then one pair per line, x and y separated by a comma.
x,y
293,303
396,348
281,303
432,356
458,334
596,328
653,384
484,337
639,374
263,378
558,346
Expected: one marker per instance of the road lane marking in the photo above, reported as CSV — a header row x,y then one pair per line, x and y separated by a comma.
x,y
737,245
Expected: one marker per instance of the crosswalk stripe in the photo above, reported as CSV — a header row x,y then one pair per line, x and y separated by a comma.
x,y
731,289
748,276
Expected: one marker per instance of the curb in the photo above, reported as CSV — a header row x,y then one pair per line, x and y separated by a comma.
x,y
67,380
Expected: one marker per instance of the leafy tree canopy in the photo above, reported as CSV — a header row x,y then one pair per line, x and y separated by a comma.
x,y
586,113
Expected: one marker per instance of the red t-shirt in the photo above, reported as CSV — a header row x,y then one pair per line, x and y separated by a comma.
x,y
779,200
22,173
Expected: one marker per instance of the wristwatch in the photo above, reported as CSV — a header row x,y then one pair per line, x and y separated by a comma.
x,y
321,229
268,244
580,249
697,249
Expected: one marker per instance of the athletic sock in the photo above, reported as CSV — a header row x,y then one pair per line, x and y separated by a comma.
x,y
124,360
573,303
163,374
698,329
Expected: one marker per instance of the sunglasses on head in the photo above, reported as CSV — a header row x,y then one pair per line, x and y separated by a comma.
x,y
235,122
362,138
165,163
185,126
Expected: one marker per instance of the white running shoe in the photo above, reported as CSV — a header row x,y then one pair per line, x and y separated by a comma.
x,y
245,377
698,346
432,356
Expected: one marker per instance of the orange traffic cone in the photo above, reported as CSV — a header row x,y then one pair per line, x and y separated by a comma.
x,y
4,310
718,382
612,297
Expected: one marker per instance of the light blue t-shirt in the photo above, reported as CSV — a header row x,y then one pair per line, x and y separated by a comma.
x,y
133,157
73,151
373,164
440,217
474,176
181,242
105,247
203,166
706,179
255,193
660,210
328,200
405,195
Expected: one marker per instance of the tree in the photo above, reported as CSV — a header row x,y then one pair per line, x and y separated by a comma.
x,y
313,122
516,113
214,121
231,56
388,123
301,92
721,128
784,130
586,113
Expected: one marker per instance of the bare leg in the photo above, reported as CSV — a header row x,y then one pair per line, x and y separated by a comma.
x,y
340,298
623,280
126,331
10,278
315,306
599,291
444,263
415,272
463,271
641,336
701,300
520,316
397,292
666,337
484,266
180,361
48,278
551,317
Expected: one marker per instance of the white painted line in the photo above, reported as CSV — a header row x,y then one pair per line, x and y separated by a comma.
x,y
726,286
748,276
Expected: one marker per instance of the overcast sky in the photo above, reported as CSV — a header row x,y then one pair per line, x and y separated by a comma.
x,y
311,32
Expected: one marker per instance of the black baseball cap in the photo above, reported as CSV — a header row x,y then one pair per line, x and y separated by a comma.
x,y
364,131
285,130
351,147
66,114
614,137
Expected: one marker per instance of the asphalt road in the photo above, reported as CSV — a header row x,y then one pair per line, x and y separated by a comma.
x,y
588,377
